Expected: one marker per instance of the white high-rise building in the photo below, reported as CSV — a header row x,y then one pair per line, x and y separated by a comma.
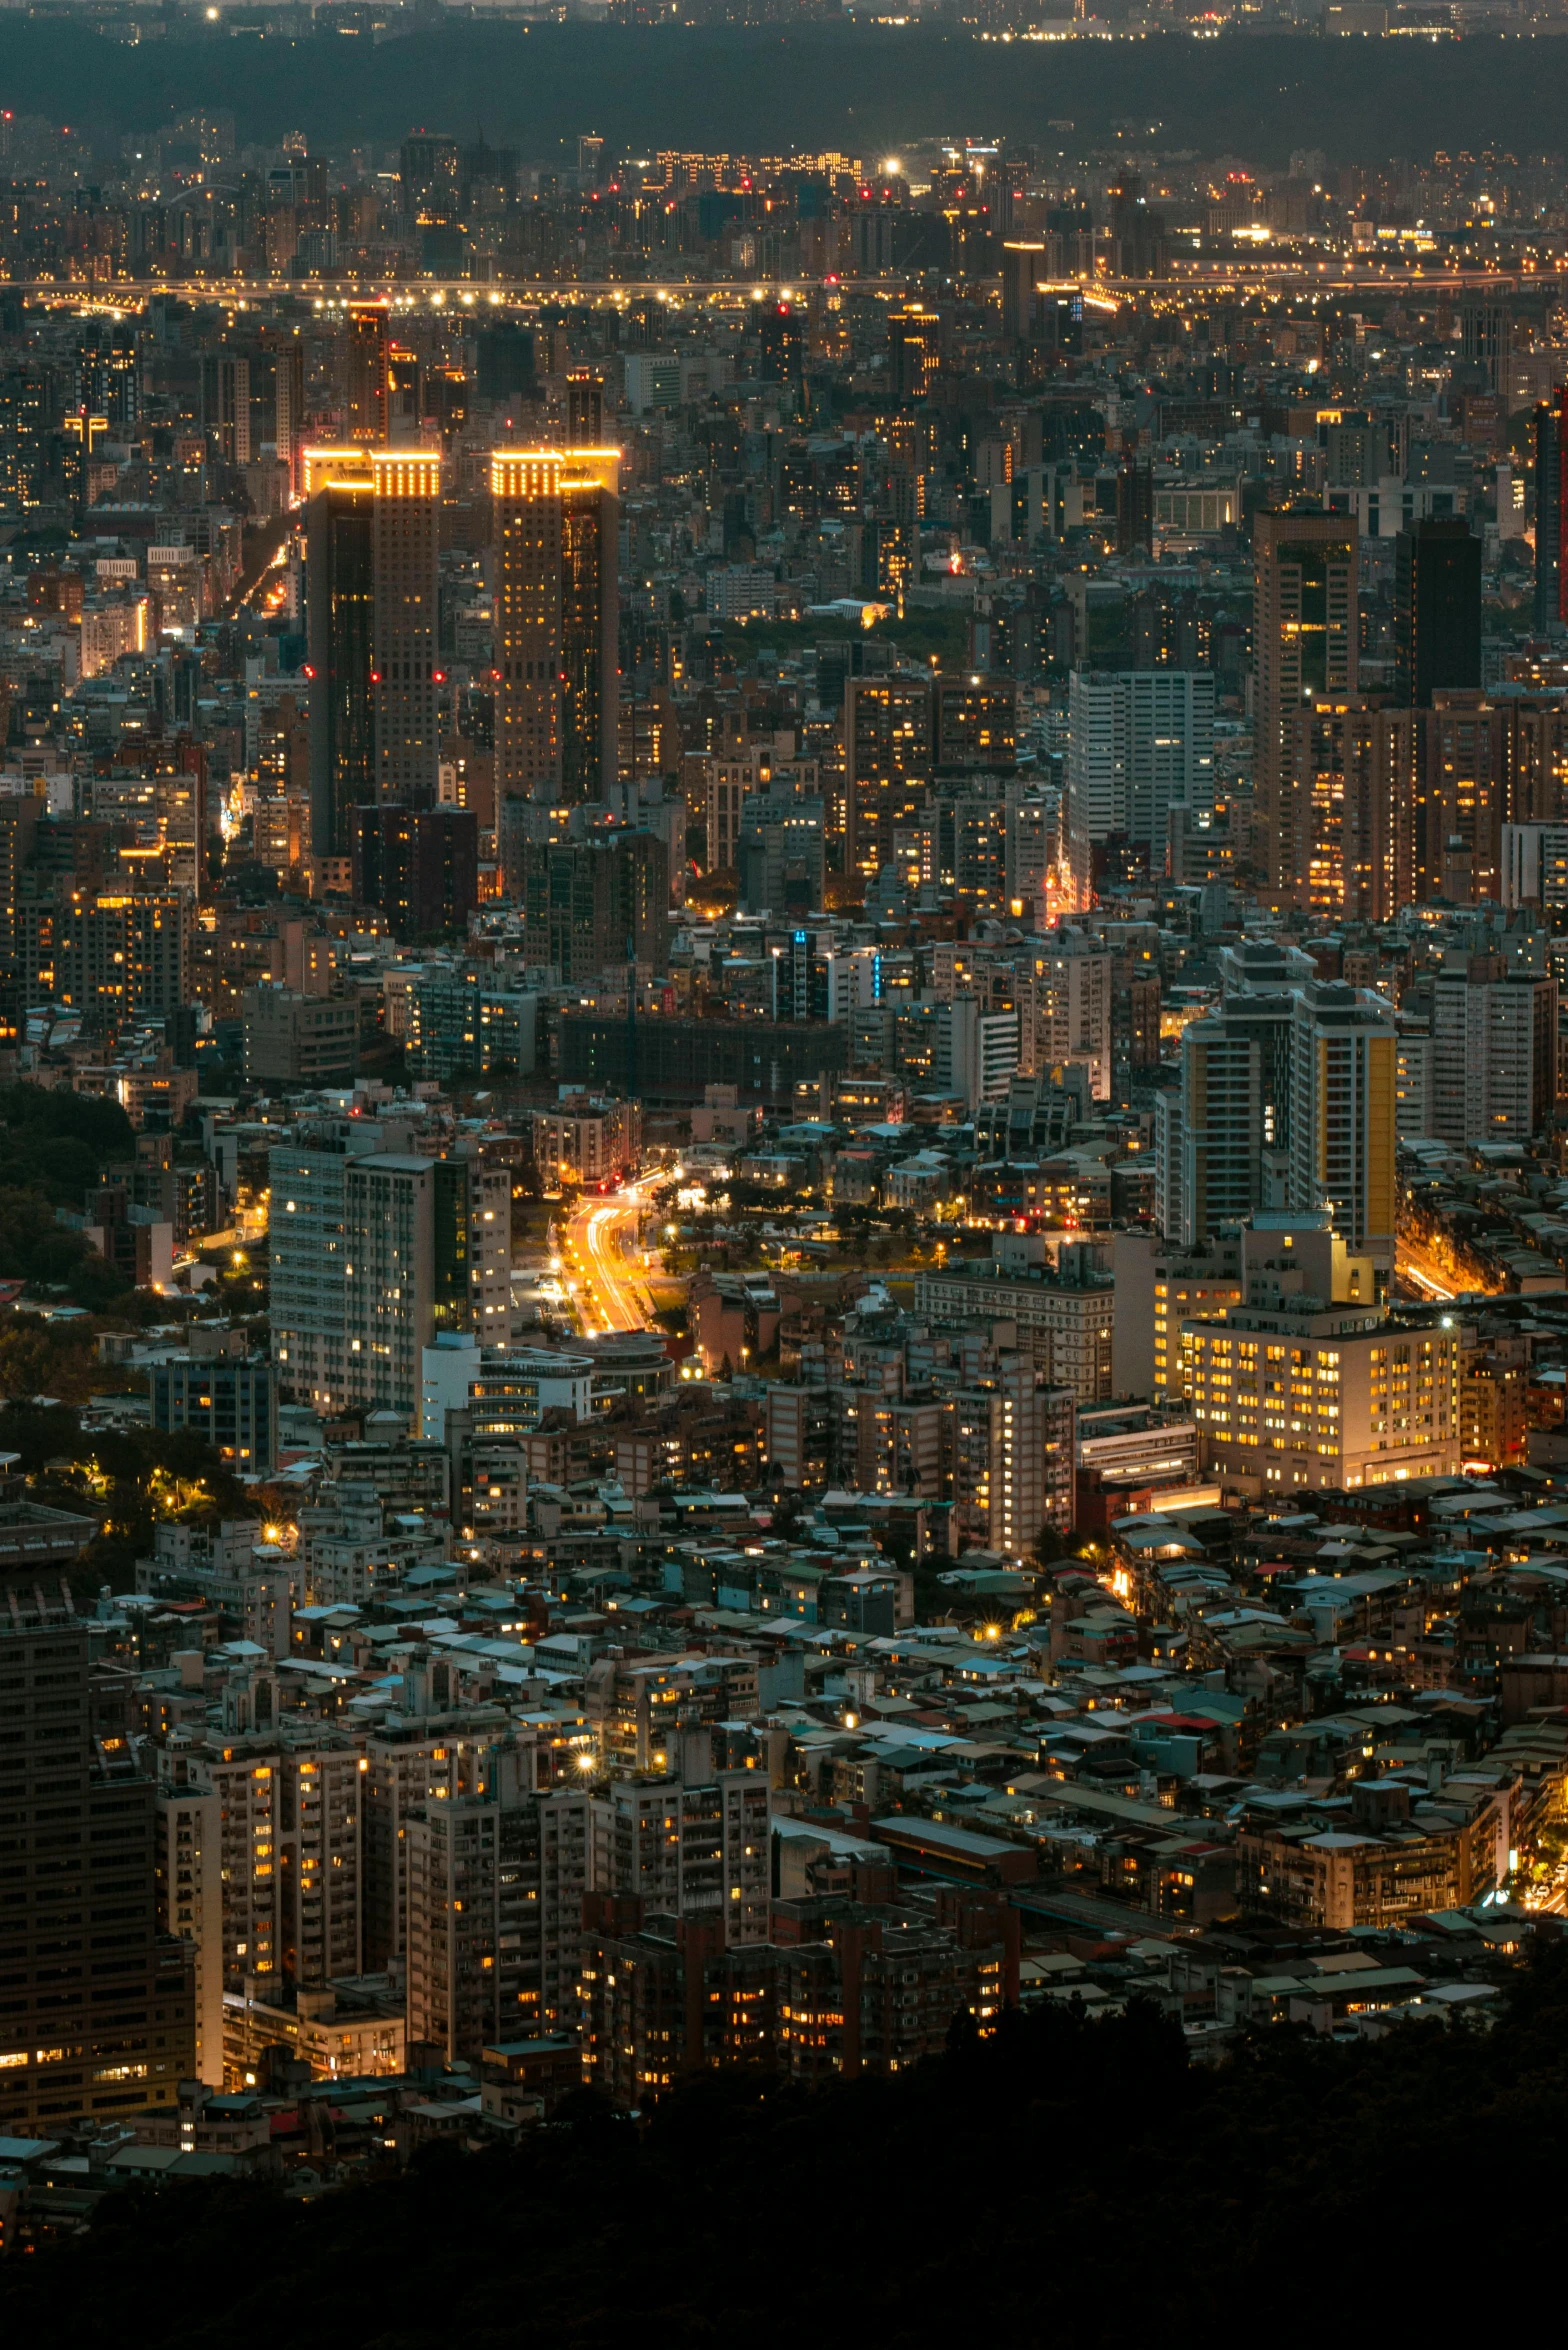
x,y
373,1251
1067,1013
1494,1052
1140,742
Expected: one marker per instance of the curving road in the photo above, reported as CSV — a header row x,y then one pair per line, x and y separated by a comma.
x,y
607,1288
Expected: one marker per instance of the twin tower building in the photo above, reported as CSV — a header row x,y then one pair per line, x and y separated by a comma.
x,y
373,619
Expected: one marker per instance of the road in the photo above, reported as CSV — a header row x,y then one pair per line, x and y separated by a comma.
x,y
1420,1275
1330,275
1425,1277
606,1287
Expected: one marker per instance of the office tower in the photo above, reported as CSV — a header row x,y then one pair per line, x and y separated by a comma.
x,y
1023,265
1550,442
288,406
913,350
225,404
781,335
780,856
888,756
97,2017
505,363
341,635
1342,1136
1437,608
556,621
584,408
419,865
405,531
1140,743
595,905
366,380
123,380
1352,767
307,1177
1486,340
430,176
1217,1141
1304,645
373,618
1222,1139
1493,1052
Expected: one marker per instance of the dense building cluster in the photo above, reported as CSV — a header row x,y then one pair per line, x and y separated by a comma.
x,y
782,1202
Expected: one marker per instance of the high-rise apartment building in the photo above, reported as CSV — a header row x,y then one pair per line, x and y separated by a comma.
x,y
596,904
1493,1051
556,615
388,1278
1351,786
1065,1016
1304,646
1342,1114
419,865
1013,1462
1437,608
308,1177
1140,743
888,757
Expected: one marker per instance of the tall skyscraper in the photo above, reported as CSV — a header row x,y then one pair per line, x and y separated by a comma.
x,y
584,408
340,633
556,622
372,618
1549,444
1437,608
366,374
1023,265
1486,340
97,2020
1304,644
